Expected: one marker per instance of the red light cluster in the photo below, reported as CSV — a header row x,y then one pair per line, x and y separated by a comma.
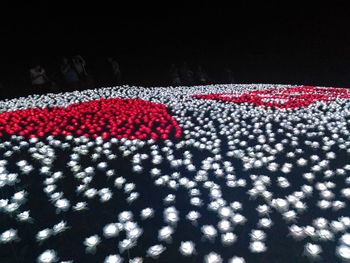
x,y
119,118
294,97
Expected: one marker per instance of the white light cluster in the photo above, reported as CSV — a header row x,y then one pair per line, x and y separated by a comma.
x,y
286,155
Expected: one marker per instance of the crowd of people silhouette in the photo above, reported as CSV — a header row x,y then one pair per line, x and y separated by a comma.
x,y
75,73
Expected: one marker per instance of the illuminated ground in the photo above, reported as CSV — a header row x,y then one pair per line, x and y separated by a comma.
x,y
247,173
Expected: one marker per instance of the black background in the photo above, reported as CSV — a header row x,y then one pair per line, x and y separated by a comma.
x,y
268,42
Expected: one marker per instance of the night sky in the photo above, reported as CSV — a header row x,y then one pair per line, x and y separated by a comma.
x,y
264,43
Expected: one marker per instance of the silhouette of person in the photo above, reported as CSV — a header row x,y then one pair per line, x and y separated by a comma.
x,y
228,76
174,76
116,74
39,79
201,76
70,76
186,74
80,66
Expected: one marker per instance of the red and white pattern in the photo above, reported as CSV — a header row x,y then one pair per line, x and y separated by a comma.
x,y
237,173
287,97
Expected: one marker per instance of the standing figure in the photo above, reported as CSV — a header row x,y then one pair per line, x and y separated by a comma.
x,y
80,67
39,79
186,74
86,80
116,74
70,76
174,76
201,76
228,76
